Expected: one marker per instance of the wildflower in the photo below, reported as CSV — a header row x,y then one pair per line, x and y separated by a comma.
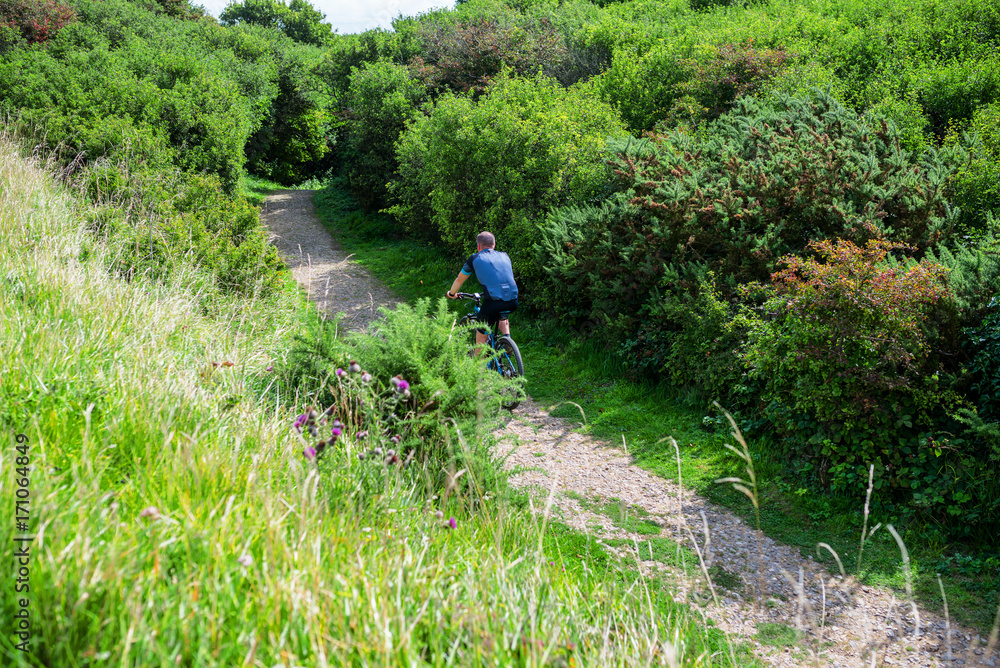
x,y
245,560
150,511
439,515
377,452
334,433
366,377
362,435
395,380
354,367
402,386
396,439
390,453
338,424
299,421
309,452
269,369
452,523
339,372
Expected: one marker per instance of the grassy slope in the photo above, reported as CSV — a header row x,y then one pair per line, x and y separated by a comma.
x,y
560,368
176,518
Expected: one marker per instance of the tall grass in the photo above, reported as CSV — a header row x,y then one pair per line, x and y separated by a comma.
x,y
176,522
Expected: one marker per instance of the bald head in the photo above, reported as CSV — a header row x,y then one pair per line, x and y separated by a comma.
x,y
486,240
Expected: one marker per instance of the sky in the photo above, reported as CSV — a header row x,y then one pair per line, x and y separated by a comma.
x,y
350,16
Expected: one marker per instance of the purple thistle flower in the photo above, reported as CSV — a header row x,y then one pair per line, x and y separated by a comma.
x,y
395,380
269,369
337,424
362,435
340,372
452,523
310,452
335,432
366,377
402,386
354,367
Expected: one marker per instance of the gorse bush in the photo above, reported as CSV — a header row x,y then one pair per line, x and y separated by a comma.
x,y
501,163
767,179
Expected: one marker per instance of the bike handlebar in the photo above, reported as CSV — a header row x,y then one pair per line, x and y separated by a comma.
x,y
468,295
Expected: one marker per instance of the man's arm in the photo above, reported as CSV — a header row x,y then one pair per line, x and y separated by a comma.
x,y
457,285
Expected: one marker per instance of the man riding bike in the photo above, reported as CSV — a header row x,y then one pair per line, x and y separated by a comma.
x,y
493,270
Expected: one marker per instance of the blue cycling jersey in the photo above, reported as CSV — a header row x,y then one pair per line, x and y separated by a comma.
x,y
493,269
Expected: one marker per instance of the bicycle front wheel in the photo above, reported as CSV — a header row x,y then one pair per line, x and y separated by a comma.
x,y
509,365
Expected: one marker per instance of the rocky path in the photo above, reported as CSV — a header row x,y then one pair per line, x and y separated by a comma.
x,y
792,611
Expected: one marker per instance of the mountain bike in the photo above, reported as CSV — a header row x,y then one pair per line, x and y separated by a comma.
x,y
507,360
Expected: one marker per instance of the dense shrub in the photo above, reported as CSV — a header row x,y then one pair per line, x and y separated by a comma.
x,y
732,71
849,380
765,181
842,333
381,99
501,163
468,56
160,219
36,21
977,182
296,135
348,52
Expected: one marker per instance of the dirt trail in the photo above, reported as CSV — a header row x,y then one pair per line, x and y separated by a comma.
x,y
840,622
319,264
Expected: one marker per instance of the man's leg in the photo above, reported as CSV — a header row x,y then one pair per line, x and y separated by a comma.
x,y
480,340
504,327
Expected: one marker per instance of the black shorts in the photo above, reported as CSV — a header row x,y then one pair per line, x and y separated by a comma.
x,y
492,311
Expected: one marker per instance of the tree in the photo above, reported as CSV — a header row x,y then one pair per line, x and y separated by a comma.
x,y
298,19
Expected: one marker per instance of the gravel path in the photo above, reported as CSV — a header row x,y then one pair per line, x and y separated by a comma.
x,y
841,622
319,264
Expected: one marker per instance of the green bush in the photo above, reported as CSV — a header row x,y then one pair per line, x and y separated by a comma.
x,y
849,381
381,99
842,333
501,163
977,183
764,181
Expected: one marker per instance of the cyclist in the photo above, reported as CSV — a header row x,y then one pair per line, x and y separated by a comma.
x,y
493,270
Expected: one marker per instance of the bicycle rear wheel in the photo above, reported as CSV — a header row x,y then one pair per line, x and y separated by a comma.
x,y
509,365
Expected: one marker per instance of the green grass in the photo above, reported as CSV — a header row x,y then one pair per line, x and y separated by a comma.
x,y
569,373
178,522
778,635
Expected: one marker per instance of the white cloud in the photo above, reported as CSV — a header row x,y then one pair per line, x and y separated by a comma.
x,y
350,16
